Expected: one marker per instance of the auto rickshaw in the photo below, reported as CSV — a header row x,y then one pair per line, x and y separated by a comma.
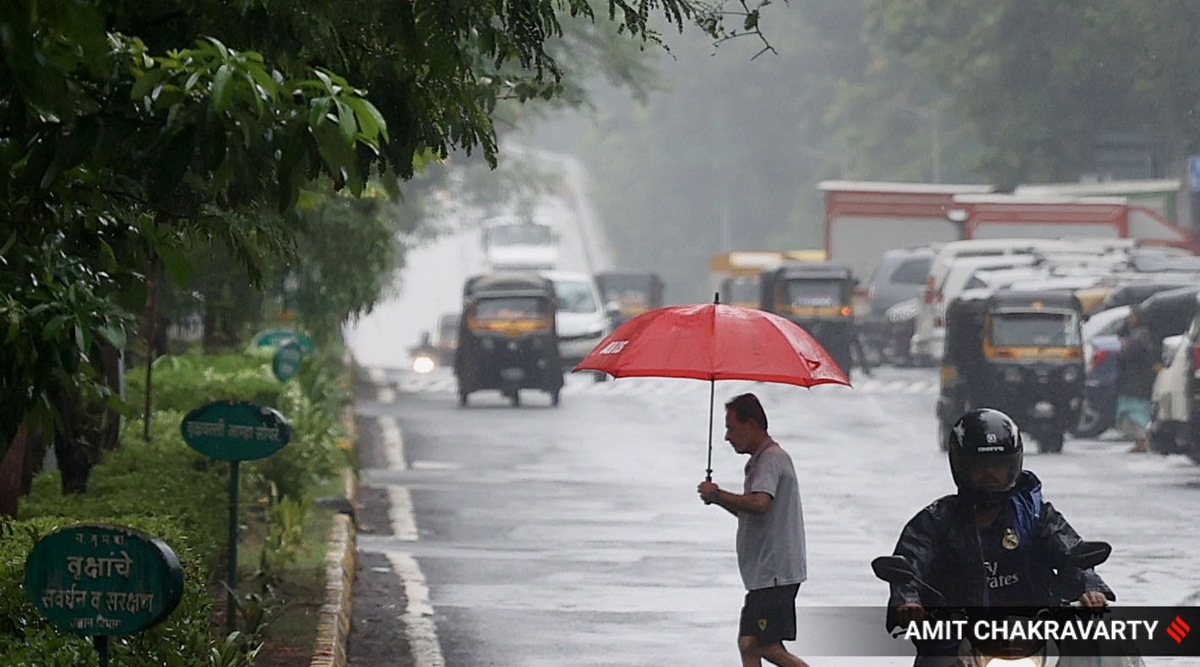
x,y
1020,352
507,338
628,294
817,296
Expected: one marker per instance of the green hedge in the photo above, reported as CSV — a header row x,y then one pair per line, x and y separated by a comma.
x,y
165,488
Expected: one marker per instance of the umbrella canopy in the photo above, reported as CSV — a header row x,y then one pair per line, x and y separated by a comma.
x,y
714,342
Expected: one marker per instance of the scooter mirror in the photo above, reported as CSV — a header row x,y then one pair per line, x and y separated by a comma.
x,y
1089,554
893,569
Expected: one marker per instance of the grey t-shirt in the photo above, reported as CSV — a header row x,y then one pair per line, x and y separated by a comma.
x,y
770,546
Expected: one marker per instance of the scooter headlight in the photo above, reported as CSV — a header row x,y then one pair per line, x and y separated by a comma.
x,y
423,364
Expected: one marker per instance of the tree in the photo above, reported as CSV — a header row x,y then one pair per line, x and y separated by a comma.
x,y
1045,84
176,125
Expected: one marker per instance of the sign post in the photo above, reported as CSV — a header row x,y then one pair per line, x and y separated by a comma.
x,y
235,431
100,580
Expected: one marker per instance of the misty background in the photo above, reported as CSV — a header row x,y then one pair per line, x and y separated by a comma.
x,y
705,148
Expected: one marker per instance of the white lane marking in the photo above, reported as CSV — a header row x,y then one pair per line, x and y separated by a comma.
x,y
377,375
400,514
385,394
418,620
393,443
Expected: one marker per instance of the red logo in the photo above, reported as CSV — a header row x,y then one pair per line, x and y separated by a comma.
x,y
1178,630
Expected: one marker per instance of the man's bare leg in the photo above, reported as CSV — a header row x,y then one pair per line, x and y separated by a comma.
x,y
776,654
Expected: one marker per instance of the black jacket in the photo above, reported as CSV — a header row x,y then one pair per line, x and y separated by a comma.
x,y
942,545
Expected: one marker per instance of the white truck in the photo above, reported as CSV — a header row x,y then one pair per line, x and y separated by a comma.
x,y
513,244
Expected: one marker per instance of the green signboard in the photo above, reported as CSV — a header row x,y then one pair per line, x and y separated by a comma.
x,y
280,336
235,430
287,360
103,580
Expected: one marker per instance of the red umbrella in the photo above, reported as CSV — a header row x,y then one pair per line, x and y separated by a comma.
x,y
714,342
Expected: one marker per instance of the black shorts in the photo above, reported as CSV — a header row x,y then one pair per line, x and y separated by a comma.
x,y
769,614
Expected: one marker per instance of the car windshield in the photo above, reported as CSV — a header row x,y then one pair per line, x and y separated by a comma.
x,y
575,297
1046,328
814,293
911,272
510,308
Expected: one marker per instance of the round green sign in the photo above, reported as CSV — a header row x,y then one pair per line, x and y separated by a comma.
x,y
235,430
95,579
287,360
281,336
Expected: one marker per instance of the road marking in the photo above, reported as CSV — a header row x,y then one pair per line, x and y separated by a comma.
x,y
418,621
386,395
378,376
400,513
393,443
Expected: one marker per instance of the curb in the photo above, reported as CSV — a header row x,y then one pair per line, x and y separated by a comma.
x,y
333,624
330,649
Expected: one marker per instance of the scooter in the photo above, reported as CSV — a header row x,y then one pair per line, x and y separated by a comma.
x,y
1005,653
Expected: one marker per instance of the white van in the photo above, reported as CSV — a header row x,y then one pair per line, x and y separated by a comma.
x,y
582,320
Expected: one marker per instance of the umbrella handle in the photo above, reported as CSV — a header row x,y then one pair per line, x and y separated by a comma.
x,y
712,392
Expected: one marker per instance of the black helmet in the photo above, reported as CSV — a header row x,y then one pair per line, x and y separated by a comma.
x,y
985,440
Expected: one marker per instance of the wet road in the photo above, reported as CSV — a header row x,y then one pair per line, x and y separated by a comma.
x,y
573,536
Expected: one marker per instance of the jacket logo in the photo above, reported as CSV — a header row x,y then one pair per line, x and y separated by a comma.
x,y
762,624
1010,540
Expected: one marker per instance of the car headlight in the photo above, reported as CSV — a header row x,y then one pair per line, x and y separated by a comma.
x,y
1012,374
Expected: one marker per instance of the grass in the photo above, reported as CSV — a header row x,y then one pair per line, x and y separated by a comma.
x,y
293,600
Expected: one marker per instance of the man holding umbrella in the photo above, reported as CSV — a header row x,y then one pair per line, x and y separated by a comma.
x,y
770,535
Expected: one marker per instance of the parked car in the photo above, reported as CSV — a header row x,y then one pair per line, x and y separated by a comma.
x,y
899,276
1172,428
929,335
1101,343
1176,423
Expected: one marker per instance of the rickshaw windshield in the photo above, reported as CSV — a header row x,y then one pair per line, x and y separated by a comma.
x,y
741,289
813,293
632,292
1047,328
510,308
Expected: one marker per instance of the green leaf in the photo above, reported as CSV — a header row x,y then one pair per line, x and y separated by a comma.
x,y
347,122
146,83
176,264
222,91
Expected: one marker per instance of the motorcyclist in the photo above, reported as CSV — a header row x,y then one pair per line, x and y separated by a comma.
x,y
994,543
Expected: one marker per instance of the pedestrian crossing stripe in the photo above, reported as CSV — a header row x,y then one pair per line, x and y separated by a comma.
x,y
446,384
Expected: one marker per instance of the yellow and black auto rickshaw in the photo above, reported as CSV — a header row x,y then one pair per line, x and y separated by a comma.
x,y
507,338
817,296
627,294
1020,352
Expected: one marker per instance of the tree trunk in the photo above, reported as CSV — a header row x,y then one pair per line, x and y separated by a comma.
x,y
12,465
151,324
